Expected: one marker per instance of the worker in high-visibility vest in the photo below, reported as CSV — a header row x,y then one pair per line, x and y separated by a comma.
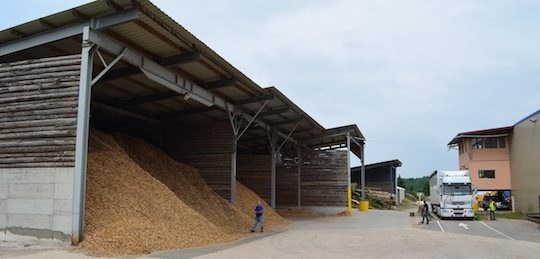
x,y
492,209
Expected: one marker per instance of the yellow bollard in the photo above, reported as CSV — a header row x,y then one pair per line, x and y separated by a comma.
x,y
349,201
363,205
475,206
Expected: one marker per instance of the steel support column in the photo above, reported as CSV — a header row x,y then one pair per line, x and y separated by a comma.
x,y
273,138
81,142
299,175
363,172
236,123
233,170
349,191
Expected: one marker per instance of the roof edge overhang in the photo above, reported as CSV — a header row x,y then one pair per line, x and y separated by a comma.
x,y
494,132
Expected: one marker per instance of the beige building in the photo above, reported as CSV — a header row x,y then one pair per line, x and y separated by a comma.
x,y
525,166
505,161
486,154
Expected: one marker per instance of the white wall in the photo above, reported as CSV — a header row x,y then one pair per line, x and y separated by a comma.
x,y
37,201
525,164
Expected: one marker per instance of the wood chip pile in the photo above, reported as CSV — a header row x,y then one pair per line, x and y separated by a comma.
x,y
138,200
246,202
187,184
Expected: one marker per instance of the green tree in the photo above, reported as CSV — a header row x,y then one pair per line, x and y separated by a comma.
x,y
400,182
411,189
426,188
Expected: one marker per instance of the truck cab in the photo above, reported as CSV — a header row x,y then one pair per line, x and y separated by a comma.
x,y
452,194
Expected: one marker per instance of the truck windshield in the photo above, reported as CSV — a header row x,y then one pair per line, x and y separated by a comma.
x,y
456,189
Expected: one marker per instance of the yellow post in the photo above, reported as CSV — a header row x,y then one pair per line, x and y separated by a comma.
x,y
349,200
475,206
363,205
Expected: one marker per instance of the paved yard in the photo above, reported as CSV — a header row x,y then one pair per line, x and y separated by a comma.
x,y
375,234
385,234
501,228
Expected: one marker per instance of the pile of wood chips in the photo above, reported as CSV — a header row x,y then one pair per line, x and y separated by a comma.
x,y
138,200
187,184
247,200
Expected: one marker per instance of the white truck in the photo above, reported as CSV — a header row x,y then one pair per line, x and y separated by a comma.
x,y
451,194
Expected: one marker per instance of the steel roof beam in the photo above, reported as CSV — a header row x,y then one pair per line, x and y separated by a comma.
x,y
221,83
296,120
144,99
188,112
275,111
147,99
114,5
183,58
168,79
69,31
254,99
179,59
108,108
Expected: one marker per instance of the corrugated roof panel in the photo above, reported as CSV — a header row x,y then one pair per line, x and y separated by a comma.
x,y
139,38
232,92
199,70
156,33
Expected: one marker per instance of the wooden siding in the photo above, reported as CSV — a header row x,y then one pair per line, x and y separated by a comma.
x,y
381,178
286,186
324,179
254,171
205,146
38,112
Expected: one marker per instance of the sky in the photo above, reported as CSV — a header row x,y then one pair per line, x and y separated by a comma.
x,y
411,74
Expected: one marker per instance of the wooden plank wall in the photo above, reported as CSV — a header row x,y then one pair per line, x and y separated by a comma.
x,y
324,179
38,112
205,146
286,186
254,172
379,178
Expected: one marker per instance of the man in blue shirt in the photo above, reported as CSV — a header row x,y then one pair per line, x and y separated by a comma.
x,y
258,217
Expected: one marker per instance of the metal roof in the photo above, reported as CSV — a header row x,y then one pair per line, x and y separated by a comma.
x,y
126,91
495,132
527,118
394,163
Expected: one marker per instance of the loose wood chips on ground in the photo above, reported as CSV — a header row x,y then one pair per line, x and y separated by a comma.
x,y
139,200
246,202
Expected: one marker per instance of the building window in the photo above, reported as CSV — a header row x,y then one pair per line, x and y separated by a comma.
x,y
502,142
486,173
480,143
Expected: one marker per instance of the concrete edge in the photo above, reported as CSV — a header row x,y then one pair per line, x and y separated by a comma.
x,y
38,233
198,251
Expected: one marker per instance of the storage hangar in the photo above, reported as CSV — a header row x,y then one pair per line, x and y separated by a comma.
x,y
125,66
380,176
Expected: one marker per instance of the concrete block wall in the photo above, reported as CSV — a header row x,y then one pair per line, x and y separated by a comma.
x,y
37,201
